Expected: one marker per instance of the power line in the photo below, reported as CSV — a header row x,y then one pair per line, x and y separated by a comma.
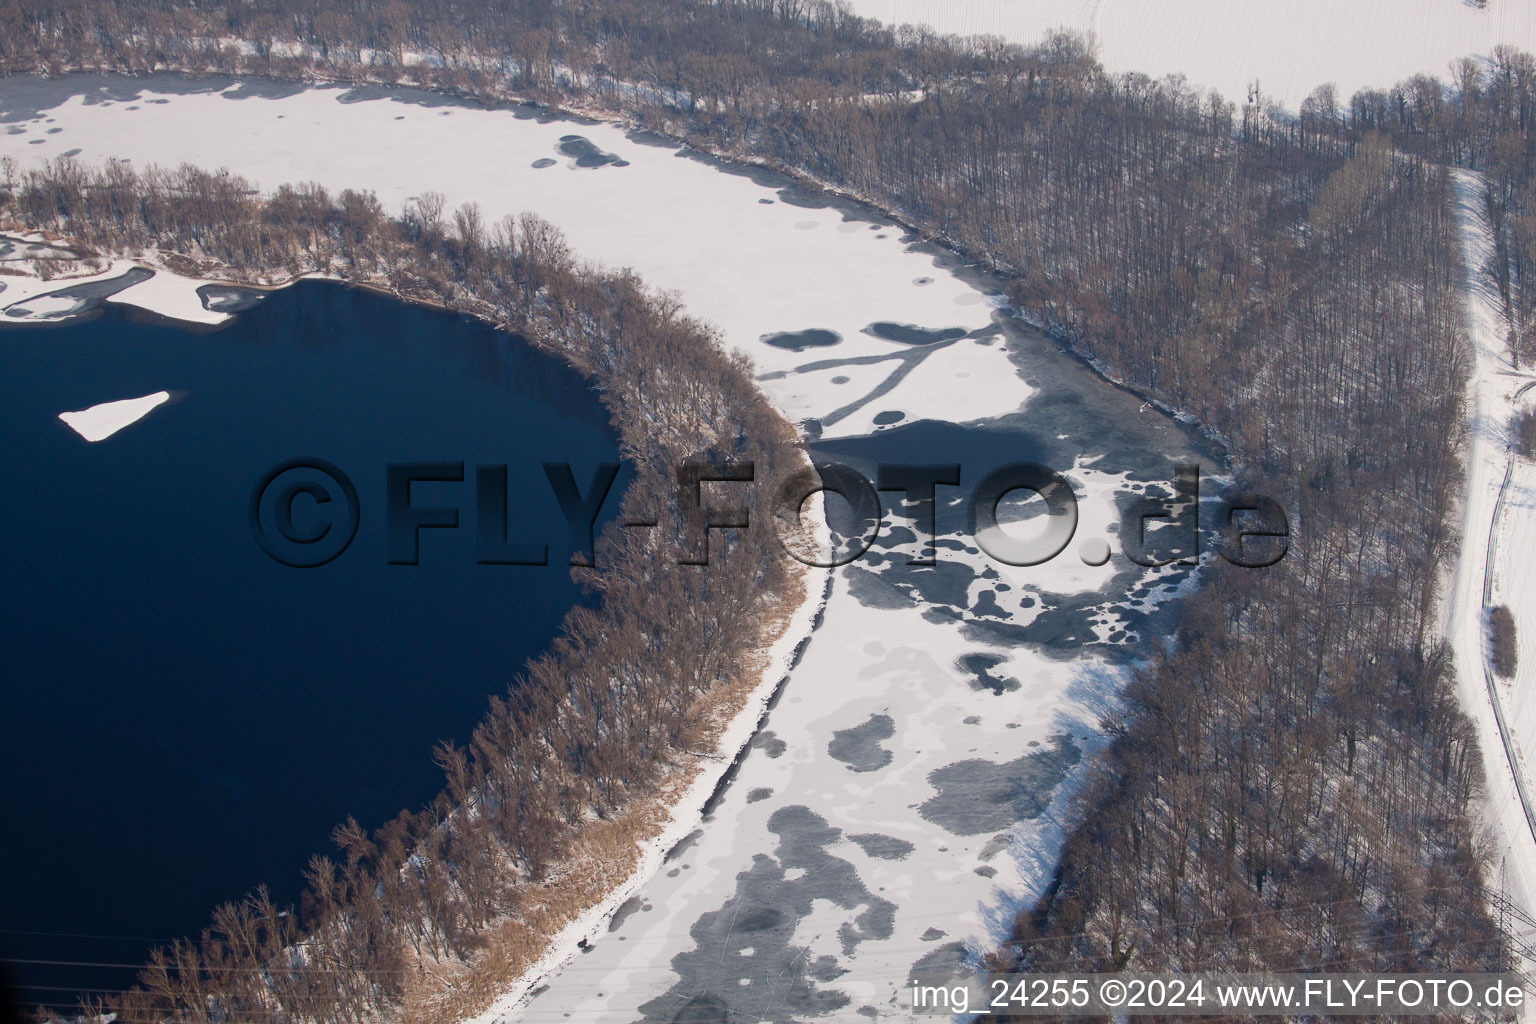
x,y
79,935
63,988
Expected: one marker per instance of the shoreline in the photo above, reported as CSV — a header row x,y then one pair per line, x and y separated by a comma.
x,y
685,812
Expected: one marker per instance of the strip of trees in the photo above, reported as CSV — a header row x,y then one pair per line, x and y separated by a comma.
x,y
1501,636
1291,776
1525,434
593,727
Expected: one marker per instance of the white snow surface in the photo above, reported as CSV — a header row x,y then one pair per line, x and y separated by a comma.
x,y
170,295
742,258
1492,391
891,662
100,422
1289,48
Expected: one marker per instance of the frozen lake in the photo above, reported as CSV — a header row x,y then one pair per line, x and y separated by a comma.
x,y
908,792
184,718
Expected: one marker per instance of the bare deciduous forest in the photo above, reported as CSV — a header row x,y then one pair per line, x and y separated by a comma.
x,y
1291,780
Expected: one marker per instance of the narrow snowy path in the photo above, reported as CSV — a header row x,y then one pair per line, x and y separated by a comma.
x,y
1492,395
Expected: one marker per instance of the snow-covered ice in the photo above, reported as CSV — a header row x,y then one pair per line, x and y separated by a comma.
x,y
26,298
100,422
1289,48
170,295
749,267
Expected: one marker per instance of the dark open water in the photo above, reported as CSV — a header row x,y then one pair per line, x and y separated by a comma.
x,y
181,717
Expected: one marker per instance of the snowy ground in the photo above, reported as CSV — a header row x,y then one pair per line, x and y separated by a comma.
x,y
907,793
1493,391
1288,48
1514,553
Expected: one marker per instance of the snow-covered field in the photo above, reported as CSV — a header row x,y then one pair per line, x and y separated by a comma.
x,y
1493,392
1515,586
1289,48
907,794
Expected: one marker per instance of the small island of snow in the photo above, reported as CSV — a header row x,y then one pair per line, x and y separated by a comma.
x,y
100,422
